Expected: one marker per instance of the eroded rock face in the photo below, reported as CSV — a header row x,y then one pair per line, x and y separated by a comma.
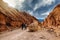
x,y
2,19
12,18
53,20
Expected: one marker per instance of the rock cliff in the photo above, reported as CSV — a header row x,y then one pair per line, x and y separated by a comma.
x,y
11,18
53,19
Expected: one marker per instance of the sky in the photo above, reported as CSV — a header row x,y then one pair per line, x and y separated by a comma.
x,y
37,8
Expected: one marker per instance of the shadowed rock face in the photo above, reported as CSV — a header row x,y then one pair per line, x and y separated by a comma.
x,y
11,18
53,19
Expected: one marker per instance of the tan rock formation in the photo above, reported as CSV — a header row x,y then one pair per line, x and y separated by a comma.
x,y
53,20
12,18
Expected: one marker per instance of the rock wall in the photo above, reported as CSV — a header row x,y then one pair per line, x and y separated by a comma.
x,y
11,18
53,19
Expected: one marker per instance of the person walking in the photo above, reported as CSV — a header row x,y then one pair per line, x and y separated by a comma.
x,y
24,26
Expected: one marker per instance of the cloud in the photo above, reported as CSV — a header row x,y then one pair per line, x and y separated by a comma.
x,y
46,13
21,1
10,2
33,4
30,12
13,3
43,3
37,8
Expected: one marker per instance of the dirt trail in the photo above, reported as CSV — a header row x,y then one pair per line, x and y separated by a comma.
x,y
25,35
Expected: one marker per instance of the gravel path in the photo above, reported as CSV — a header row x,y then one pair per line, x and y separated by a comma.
x,y
25,35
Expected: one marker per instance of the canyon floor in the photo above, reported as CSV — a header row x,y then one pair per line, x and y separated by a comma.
x,y
25,35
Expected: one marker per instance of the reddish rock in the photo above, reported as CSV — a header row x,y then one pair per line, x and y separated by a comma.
x,y
3,27
12,18
53,19
2,19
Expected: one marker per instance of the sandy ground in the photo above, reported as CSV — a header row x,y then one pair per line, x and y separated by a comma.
x,y
25,35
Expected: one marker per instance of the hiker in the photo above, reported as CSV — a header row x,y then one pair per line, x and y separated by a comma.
x,y
24,26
